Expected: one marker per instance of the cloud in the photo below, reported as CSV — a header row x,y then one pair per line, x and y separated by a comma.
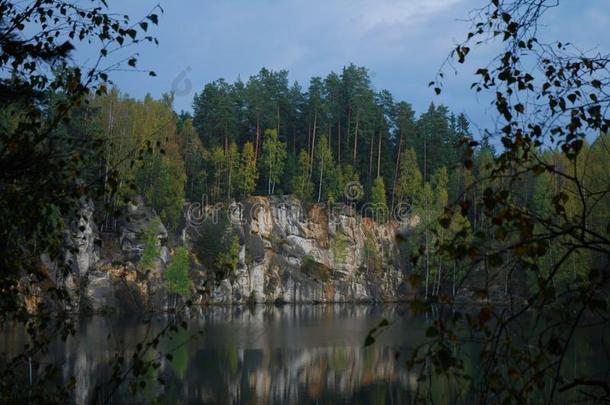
x,y
403,42
393,12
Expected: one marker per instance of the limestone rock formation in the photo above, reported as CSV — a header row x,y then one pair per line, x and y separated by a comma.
x,y
99,284
267,249
81,250
292,254
137,221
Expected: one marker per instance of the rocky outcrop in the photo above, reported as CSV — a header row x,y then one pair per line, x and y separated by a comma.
x,y
81,248
115,282
139,221
288,253
115,289
267,249
128,285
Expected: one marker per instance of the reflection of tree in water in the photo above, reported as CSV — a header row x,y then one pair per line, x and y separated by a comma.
x,y
280,376
290,354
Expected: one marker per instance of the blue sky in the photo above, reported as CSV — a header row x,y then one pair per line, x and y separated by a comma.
x,y
402,42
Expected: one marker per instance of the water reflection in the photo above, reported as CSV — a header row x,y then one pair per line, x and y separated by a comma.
x,y
266,355
262,354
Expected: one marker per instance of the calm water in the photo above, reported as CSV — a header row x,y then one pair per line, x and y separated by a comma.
x,y
259,355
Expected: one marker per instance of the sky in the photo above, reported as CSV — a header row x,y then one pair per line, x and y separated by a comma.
x,y
402,42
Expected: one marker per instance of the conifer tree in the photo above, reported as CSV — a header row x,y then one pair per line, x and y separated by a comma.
x,y
409,184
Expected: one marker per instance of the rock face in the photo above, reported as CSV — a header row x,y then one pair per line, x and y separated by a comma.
x,y
279,251
138,221
125,286
114,289
82,243
289,254
99,284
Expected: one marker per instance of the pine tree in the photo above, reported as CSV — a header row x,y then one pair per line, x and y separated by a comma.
x,y
409,184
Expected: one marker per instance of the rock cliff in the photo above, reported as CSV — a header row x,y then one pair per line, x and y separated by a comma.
x,y
290,253
265,249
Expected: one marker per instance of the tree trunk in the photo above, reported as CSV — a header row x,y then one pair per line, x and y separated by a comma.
x,y
229,181
330,144
427,267
356,139
371,155
453,280
349,128
396,170
339,142
258,135
379,156
425,160
308,145
313,140
320,184
438,284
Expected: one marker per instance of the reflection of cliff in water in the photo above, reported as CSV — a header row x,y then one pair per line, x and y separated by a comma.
x,y
265,354
262,354
281,376
293,354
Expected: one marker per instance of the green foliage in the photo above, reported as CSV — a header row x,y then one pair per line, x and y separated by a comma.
x,y
339,245
193,153
440,183
315,270
373,260
409,185
538,209
326,172
227,260
348,132
248,174
302,187
274,156
378,200
162,182
151,248
216,160
177,273
215,114
217,246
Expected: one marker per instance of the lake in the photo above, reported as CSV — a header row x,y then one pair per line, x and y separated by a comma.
x,y
256,355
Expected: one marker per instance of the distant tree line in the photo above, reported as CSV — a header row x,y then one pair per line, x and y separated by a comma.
x,y
337,130
265,137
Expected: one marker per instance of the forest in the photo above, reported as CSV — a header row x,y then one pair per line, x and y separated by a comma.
x,y
267,137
